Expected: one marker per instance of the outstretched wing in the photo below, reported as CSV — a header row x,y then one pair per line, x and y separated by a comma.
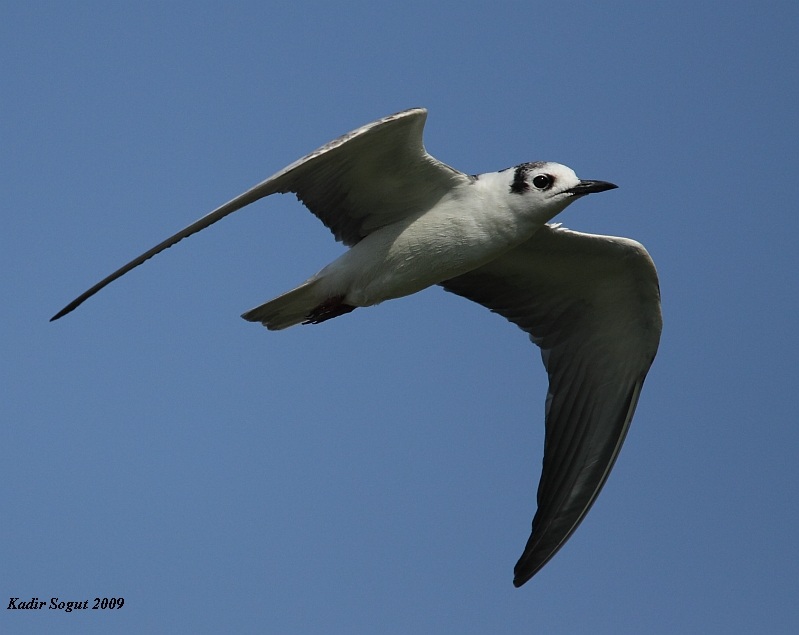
x,y
364,180
592,303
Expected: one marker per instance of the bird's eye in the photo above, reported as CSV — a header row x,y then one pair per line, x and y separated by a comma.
x,y
542,181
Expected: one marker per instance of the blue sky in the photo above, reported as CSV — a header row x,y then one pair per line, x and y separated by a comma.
x,y
377,473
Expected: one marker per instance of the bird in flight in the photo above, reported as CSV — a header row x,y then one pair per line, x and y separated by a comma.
x,y
591,303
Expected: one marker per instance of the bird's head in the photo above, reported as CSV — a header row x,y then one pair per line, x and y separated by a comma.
x,y
550,187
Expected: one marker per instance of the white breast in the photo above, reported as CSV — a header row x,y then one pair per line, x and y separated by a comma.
x,y
469,227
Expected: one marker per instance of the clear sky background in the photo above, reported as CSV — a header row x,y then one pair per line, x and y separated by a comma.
x,y
377,473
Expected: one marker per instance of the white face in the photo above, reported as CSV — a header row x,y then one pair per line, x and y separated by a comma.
x,y
542,189
545,181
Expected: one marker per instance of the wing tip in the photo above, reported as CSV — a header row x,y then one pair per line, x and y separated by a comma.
x,y
69,308
524,571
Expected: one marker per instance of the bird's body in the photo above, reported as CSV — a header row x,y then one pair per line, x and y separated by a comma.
x,y
592,303
469,226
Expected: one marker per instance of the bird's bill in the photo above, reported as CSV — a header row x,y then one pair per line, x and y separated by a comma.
x,y
591,187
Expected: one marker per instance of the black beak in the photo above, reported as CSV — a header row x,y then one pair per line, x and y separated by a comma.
x,y
590,187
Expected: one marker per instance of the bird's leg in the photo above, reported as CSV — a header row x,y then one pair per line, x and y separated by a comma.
x,y
327,310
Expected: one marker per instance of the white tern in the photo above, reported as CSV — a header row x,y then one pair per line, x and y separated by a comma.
x,y
591,303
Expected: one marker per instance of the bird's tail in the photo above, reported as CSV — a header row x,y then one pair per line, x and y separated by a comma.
x,y
293,307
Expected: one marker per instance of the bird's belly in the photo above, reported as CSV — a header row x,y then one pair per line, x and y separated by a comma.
x,y
397,261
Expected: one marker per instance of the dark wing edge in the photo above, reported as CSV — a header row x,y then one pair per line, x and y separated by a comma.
x,y
252,195
592,303
289,179
557,519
